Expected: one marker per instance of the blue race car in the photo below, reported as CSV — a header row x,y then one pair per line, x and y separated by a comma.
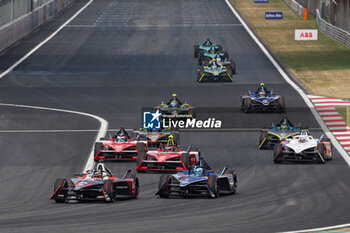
x,y
198,181
269,137
205,47
262,100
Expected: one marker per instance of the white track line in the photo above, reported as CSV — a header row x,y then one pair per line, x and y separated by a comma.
x,y
44,41
320,229
341,150
101,133
104,124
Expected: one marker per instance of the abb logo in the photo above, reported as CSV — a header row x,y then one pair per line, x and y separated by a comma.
x,y
305,34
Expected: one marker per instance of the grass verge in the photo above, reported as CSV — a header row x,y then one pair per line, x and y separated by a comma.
x,y
322,66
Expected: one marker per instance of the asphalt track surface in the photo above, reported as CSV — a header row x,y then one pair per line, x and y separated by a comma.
x,y
118,56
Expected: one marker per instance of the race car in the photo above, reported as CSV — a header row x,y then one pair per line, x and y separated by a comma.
x,y
155,137
206,46
262,100
97,184
303,147
211,54
215,71
120,147
198,181
176,109
169,158
273,135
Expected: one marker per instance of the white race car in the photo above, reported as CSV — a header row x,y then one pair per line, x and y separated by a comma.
x,y
303,147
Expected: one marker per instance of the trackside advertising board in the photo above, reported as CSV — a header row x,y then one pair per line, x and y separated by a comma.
x,y
306,34
261,1
273,15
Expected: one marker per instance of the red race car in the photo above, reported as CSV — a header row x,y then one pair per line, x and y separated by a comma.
x,y
168,158
120,147
96,184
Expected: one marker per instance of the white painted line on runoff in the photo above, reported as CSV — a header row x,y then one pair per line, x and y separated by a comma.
x,y
320,229
332,118
101,133
44,41
336,144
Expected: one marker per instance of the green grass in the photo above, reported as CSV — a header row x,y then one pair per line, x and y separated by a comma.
x,y
322,66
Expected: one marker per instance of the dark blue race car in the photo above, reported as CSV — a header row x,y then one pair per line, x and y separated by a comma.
x,y
262,100
198,181
269,137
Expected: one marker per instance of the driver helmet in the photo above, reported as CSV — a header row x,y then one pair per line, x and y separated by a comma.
x,y
261,93
174,95
284,126
97,174
121,138
173,103
198,171
302,138
171,140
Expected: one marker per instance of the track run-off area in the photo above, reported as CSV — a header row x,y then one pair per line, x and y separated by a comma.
x,y
95,66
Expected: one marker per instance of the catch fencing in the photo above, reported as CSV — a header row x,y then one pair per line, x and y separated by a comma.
x,y
299,9
332,31
18,25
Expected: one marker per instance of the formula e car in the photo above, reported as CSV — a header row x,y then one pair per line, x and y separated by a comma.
x,y
214,71
211,54
198,181
262,100
156,137
176,109
117,148
206,46
96,184
273,135
303,147
169,158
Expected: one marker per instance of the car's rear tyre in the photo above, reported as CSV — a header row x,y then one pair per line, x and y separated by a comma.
x,y
109,190
176,136
262,136
98,146
162,186
136,183
282,104
213,186
276,152
234,179
196,48
225,56
219,48
140,157
185,158
246,105
61,182
233,67
323,153
200,72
